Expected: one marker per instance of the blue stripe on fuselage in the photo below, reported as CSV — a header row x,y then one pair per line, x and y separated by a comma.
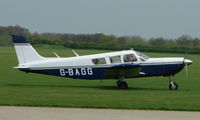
x,y
161,70
77,73
99,72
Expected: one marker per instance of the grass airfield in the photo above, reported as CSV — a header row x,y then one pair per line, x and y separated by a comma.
x,y
20,89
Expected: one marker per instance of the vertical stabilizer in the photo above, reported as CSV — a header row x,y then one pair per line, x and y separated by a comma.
x,y
24,50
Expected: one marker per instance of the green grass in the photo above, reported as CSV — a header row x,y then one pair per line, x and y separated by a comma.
x,y
19,88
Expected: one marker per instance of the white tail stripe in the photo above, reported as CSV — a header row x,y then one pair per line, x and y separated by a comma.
x,y
22,44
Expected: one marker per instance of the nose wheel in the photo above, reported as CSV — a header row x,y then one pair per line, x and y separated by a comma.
x,y
121,84
172,85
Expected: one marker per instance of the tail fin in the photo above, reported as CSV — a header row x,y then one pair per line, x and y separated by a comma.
x,y
24,50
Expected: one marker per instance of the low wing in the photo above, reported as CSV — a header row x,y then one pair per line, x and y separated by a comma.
x,y
126,70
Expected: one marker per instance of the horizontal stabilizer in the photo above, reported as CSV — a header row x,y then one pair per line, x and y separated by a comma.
x,y
21,68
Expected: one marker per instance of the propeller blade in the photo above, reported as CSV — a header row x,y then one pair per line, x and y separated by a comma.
x,y
186,53
186,64
186,71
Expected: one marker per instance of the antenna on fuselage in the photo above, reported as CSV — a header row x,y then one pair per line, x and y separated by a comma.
x,y
56,54
75,53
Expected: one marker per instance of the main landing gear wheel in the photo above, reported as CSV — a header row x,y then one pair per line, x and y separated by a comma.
x,y
173,86
122,84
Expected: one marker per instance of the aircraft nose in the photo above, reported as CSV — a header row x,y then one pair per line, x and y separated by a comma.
x,y
188,62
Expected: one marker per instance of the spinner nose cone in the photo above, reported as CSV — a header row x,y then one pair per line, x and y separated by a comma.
x,y
188,62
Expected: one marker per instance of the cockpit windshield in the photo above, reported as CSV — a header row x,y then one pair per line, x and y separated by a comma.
x,y
142,55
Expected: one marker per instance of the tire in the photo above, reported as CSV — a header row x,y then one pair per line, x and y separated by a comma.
x,y
123,85
173,86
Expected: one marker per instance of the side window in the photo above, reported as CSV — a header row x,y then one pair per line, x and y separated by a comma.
x,y
130,58
99,61
115,59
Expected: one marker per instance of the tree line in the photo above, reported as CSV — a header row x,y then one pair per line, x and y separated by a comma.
x,y
102,41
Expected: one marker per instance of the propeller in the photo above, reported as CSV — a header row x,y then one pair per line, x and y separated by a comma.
x,y
186,66
186,52
186,71
186,62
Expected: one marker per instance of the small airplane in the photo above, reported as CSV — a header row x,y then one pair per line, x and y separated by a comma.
x,y
112,65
